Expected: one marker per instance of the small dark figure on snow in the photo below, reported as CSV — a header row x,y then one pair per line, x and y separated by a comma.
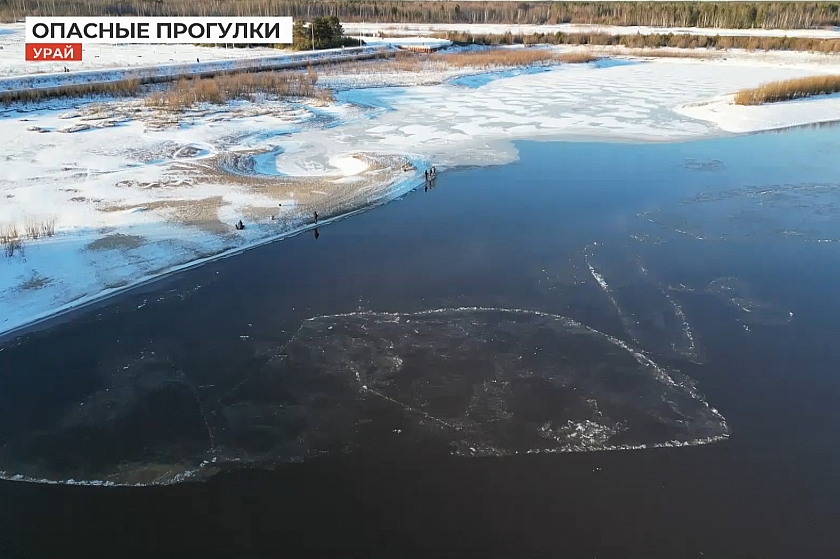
x,y
240,226
196,59
316,217
427,174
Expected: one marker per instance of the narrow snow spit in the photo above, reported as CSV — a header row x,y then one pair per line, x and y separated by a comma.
x,y
726,115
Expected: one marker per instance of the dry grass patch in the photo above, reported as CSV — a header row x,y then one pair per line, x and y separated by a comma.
x,y
12,247
221,89
122,88
33,283
11,239
8,231
660,53
201,213
117,241
789,89
406,61
37,227
575,57
509,57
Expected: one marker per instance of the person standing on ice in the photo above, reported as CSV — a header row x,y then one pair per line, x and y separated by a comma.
x,y
316,217
427,175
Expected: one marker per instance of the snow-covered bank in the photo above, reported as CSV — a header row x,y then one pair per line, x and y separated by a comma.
x,y
499,29
724,114
136,194
133,201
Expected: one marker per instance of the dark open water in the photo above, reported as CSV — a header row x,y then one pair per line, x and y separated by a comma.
x,y
515,237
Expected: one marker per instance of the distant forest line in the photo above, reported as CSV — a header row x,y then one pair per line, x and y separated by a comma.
x,y
654,40
738,15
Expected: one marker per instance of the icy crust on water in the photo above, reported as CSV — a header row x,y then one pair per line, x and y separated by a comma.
x,y
145,425
806,212
752,311
496,381
481,382
650,314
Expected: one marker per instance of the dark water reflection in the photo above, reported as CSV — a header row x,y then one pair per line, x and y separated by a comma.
x,y
148,384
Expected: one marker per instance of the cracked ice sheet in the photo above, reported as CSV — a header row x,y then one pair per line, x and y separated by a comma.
x,y
478,381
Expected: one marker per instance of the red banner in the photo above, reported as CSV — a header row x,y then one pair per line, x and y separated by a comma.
x,y
65,52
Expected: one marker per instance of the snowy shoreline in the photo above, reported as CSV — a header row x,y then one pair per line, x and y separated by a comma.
x,y
137,202
80,305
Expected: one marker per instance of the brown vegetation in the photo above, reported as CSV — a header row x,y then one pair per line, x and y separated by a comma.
x,y
580,57
13,238
406,61
116,241
122,88
683,41
39,227
662,53
509,57
185,92
741,15
789,89
33,283
10,239
221,89
32,229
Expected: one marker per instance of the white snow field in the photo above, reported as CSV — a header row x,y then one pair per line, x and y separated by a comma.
x,y
413,29
136,193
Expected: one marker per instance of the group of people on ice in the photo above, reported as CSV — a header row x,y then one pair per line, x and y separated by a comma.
x,y
430,174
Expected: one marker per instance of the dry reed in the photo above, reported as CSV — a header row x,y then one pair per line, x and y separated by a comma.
x,y
406,61
221,89
509,57
789,89
11,240
32,228
121,88
660,53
